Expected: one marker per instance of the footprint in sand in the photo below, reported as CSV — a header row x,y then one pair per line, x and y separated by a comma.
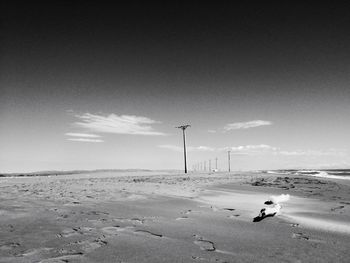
x,y
64,216
114,230
300,236
134,220
90,245
35,252
337,208
148,233
335,197
68,252
186,212
70,232
213,208
234,216
198,258
206,260
9,246
11,228
67,258
190,211
203,244
96,213
137,220
86,229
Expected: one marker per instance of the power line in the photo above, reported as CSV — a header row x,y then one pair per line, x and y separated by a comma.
x,y
229,160
184,127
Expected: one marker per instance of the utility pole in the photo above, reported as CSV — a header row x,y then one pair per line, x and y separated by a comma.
x,y
229,160
216,163
209,165
184,127
205,165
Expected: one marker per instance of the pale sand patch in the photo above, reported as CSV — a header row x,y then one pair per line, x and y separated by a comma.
x,y
311,213
321,223
249,202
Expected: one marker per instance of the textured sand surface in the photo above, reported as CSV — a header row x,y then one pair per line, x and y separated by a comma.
x,y
150,217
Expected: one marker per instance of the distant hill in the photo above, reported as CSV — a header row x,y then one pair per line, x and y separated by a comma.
x,y
50,173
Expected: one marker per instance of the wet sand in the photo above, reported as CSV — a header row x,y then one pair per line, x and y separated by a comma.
x,y
162,217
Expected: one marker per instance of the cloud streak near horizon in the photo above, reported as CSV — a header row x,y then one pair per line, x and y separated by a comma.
x,y
259,149
84,135
85,140
250,149
123,124
189,148
246,125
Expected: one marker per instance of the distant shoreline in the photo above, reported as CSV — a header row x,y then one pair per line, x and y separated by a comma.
x,y
56,173
326,173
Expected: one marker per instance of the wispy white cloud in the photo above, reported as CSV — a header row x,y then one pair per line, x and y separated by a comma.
x,y
293,153
123,124
267,149
250,149
202,148
331,152
171,147
259,149
246,125
212,131
84,135
189,148
84,140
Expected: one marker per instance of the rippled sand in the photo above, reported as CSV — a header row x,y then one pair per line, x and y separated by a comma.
x,y
167,217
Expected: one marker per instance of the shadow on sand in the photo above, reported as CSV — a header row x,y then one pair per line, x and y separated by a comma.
x,y
262,216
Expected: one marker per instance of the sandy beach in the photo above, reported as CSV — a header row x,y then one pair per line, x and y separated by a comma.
x,y
169,217
105,107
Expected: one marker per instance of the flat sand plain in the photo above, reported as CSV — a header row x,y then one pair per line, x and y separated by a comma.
x,y
170,217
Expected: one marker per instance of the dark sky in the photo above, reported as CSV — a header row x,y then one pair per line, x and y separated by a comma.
x,y
177,62
195,43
